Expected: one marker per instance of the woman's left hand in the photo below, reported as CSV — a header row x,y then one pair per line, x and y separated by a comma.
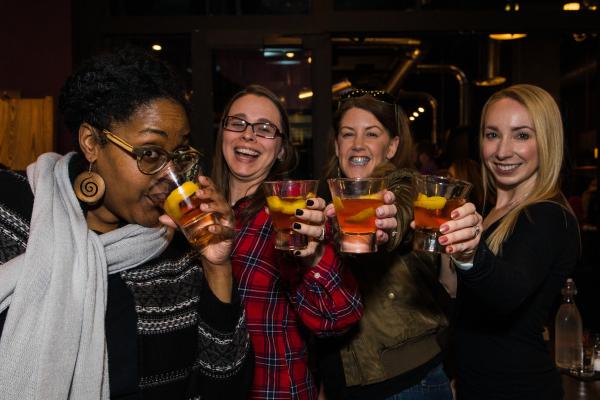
x,y
462,233
386,221
313,226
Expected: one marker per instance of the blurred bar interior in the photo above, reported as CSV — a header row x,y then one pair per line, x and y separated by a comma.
x,y
440,58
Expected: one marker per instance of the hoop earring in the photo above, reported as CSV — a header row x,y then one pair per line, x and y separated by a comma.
x,y
89,187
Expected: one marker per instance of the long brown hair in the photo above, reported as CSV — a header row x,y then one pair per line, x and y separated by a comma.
x,y
282,166
390,116
547,123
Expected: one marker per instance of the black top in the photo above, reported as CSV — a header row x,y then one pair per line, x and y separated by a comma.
x,y
504,302
168,336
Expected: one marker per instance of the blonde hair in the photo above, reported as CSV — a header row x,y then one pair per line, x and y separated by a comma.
x,y
547,123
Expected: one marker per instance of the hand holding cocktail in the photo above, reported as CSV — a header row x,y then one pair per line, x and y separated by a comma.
x,y
286,201
443,221
356,201
435,199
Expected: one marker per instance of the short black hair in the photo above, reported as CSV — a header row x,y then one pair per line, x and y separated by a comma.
x,y
110,88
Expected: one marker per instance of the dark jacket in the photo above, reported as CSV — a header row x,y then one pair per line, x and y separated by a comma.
x,y
404,306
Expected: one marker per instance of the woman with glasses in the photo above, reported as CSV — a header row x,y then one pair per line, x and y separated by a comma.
x,y
286,296
98,300
396,352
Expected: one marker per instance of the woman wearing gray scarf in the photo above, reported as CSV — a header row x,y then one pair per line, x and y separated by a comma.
x,y
99,300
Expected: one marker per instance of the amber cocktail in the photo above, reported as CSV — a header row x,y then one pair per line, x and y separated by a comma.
x,y
175,192
435,199
355,202
283,199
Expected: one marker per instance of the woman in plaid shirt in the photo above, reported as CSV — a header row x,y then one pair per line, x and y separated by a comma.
x,y
286,296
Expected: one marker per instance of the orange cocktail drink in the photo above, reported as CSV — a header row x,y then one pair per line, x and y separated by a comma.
x,y
355,202
283,199
435,199
175,192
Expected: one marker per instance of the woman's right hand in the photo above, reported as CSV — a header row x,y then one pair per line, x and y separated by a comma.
x,y
218,250
462,233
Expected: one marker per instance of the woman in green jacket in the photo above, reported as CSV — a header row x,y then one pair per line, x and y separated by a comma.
x,y
396,350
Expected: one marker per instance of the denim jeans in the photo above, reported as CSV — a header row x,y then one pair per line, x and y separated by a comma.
x,y
435,386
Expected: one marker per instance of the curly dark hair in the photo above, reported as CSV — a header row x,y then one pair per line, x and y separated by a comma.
x,y
111,87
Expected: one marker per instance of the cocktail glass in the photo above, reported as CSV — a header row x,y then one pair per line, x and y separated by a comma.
x,y
435,199
175,192
355,201
283,199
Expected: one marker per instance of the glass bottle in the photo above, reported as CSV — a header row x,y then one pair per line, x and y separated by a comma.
x,y
597,353
568,331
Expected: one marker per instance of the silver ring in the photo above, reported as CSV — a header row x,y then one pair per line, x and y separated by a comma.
x,y
322,235
476,230
393,233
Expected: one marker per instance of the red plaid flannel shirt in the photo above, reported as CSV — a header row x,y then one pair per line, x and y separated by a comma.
x,y
324,299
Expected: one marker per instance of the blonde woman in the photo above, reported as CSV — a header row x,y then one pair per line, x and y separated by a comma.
x,y
529,246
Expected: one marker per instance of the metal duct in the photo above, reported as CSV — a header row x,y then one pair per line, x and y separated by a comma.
x,y
463,88
401,71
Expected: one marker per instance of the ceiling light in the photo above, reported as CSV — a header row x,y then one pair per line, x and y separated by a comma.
x,y
156,47
415,114
290,54
572,6
305,95
309,60
421,109
507,36
411,118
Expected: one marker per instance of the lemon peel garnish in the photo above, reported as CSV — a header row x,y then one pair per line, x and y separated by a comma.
x,y
430,202
362,215
181,193
276,204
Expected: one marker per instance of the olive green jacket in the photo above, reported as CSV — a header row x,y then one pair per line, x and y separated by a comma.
x,y
403,313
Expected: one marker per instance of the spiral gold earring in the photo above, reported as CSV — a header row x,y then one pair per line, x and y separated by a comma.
x,y
89,187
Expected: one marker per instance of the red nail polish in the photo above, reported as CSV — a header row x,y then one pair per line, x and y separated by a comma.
x,y
444,228
454,214
443,240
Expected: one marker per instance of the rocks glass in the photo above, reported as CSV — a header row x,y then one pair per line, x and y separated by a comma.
x,y
435,198
283,199
355,201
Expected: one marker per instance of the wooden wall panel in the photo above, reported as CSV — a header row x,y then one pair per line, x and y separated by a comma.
x,y
26,130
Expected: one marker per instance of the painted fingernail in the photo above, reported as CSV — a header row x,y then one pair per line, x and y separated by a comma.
x,y
450,250
454,214
299,211
296,225
297,253
310,203
444,228
443,240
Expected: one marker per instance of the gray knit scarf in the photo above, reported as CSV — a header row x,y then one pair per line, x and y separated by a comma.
x,y
53,345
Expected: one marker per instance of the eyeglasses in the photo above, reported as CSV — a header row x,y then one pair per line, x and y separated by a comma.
x,y
151,159
263,129
376,94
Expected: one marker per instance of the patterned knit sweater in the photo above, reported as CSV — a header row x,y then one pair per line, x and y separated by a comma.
x,y
168,336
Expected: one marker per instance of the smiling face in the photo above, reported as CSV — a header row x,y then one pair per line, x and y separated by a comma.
x,y
249,157
509,145
362,143
163,123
